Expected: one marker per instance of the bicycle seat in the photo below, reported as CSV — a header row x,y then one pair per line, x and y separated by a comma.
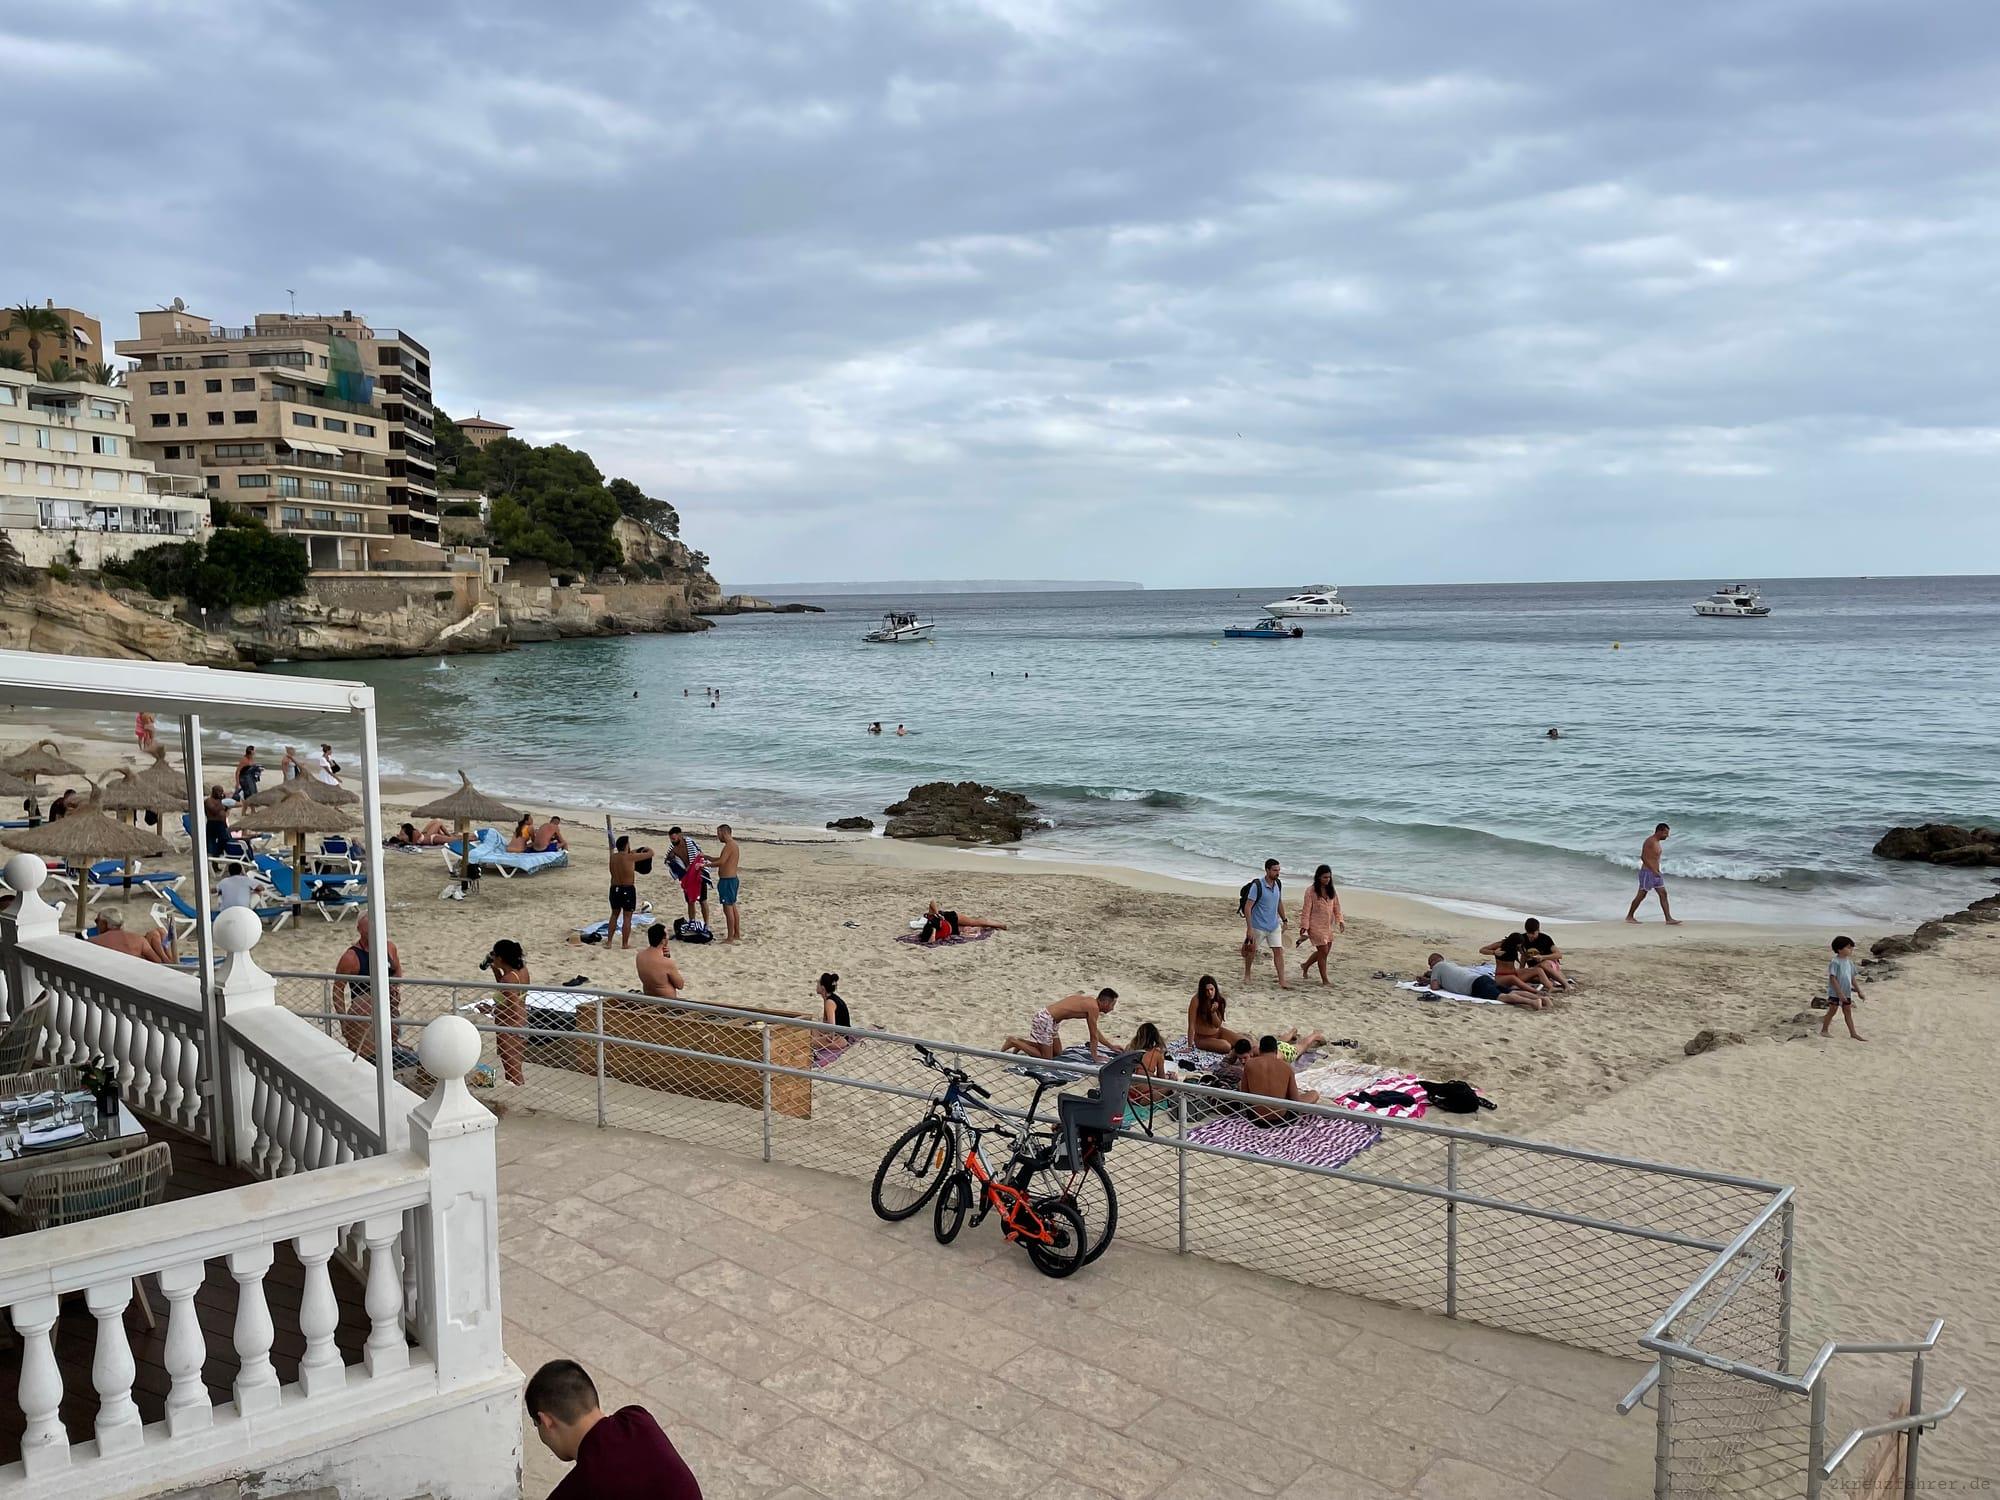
x,y
1042,1075
1099,1114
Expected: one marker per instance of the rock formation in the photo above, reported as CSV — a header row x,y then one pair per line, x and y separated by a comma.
x,y
1941,844
852,825
968,811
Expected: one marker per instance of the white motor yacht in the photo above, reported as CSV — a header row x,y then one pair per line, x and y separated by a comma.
x,y
1739,601
1314,600
899,628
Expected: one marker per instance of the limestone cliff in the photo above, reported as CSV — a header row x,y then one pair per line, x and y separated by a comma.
x,y
37,613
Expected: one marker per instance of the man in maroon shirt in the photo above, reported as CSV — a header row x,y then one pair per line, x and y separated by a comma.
x,y
624,1456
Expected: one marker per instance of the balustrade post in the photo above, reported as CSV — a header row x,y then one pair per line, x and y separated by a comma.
x,y
44,1443
387,1350
188,1405
241,987
321,1369
458,1249
256,1385
112,1369
31,917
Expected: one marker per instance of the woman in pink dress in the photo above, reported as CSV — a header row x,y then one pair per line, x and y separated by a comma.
x,y
1320,919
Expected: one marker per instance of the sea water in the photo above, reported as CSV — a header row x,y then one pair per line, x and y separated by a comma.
x,y
1404,746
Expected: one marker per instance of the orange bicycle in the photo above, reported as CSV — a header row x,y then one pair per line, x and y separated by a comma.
x,y
1049,1229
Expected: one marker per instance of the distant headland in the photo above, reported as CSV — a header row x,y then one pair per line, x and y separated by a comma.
x,y
943,586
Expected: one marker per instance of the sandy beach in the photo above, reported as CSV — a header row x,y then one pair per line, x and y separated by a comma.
x,y
1899,1209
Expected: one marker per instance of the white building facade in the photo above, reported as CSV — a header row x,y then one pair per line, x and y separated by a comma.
x,y
72,483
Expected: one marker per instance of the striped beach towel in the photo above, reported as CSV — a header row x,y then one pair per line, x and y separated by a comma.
x,y
916,939
1405,1083
1309,1141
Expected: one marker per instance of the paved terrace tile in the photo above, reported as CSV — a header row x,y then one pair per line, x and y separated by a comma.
x,y
796,1348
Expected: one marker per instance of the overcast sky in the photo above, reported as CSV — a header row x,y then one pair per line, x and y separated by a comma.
x,y
1184,291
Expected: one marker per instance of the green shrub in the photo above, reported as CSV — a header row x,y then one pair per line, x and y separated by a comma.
x,y
59,572
240,565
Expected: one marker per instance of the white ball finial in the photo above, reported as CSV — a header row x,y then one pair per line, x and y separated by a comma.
x,y
25,872
449,1048
237,930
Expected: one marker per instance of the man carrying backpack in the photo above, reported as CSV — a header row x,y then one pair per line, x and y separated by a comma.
x,y
1262,905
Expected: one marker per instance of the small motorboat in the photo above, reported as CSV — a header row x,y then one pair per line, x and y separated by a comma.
x,y
1264,630
899,628
1739,601
1315,600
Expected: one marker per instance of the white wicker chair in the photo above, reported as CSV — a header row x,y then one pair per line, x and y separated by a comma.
x,y
21,1042
92,1190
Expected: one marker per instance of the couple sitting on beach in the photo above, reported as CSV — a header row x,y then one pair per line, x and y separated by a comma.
x,y
528,839
1520,974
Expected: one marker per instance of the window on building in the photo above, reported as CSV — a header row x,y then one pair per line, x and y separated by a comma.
x,y
72,477
108,446
291,514
156,387
323,517
180,386
350,491
180,419
42,438
213,387
304,419
253,481
107,411
350,518
13,471
135,484
239,450
364,429
288,484
293,357
104,479
333,424
162,419
213,481
215,419
10,432
243,383
173,450
214,361
246,418
318,489
45,473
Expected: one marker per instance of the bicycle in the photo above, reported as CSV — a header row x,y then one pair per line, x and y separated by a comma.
x,y
1049,1229
1064,1160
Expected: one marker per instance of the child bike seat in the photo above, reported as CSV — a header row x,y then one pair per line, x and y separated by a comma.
x,y
1097,1115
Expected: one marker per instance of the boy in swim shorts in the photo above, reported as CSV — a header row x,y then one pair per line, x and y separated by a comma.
x,y
727,883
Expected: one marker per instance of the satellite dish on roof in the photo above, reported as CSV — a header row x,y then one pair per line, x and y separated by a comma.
x,y
180,305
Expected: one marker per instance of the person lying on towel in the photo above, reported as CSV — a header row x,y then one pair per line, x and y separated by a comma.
x,y
941,926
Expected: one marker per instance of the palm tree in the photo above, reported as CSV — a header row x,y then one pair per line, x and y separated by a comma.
x,y
13,359
62,371
35,321
99,373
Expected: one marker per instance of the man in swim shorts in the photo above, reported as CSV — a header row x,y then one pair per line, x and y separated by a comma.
x,y
1650,878
728,885
1044,1038
1459,979
624,887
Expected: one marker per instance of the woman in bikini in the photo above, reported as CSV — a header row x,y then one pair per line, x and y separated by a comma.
x,y
1518,986
523,841
1208,1013
1153,1064
941,925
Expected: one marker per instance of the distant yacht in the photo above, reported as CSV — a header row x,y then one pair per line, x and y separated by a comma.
x,y
899,628
1738,601
1314,600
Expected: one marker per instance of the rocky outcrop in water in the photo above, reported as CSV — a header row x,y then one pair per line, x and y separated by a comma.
x,y
1941,844
968,811
852,825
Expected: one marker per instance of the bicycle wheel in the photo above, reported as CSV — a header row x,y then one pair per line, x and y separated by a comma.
x,y
1094,1198
912,1169
1065,1251
953,1199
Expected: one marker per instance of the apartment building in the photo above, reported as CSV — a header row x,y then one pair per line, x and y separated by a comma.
x,y
318,424
73,482
79,343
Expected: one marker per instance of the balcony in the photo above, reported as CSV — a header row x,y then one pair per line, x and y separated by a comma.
x,y
320,463
334,527
301,396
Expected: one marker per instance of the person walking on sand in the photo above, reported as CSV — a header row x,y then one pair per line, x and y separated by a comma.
x,y
1650,878
1319,919
1044,1038
1842,989
1262,904
728,883
659,975
624,887
509,967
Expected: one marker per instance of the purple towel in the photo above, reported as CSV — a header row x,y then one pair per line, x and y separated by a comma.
x,y
1310,1140
916,939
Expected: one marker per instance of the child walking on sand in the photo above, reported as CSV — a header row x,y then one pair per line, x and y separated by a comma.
x,y
1841,989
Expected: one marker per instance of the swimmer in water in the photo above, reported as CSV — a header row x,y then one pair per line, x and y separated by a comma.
x,y
1555,734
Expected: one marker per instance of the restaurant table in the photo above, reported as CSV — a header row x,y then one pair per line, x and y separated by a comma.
x,y
101,1137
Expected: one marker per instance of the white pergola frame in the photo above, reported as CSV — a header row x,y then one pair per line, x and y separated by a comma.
x,y
170,689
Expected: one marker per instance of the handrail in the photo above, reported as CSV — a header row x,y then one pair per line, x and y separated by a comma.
x,y
1900,1424
1827,1351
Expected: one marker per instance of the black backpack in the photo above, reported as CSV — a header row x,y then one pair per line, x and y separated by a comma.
x,y
1456,1096
1249,893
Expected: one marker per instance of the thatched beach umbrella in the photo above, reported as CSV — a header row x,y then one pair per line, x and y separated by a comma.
x,y
128,792
324,793
463,808
88,833
43,758
294,811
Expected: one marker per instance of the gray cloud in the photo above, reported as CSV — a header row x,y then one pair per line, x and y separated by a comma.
x,y
1164,288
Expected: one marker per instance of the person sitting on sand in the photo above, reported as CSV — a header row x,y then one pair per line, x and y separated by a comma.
x,y
832,1009
522,841
941,925
1268,1074
1518,986
1147,1041
1542,956
1228,1074
1208,1012
111,934
550,836
659,975
1044,1038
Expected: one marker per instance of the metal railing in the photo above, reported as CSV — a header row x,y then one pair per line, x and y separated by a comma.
x,y
1553,1241
319,462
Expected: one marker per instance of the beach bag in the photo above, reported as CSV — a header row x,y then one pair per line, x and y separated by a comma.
x,y
690,930
644,866
1456,1096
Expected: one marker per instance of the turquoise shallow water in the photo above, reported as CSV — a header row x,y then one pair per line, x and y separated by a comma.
x,y
1404,746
